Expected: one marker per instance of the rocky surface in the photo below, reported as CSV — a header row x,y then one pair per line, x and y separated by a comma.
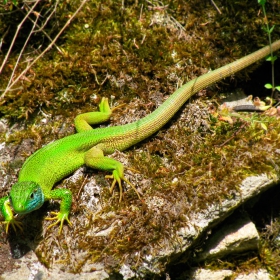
x,y
147,238
202,274
204,221
237,235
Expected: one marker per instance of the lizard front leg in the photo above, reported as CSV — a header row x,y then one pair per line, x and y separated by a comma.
x,y
95,158
65,196
8,215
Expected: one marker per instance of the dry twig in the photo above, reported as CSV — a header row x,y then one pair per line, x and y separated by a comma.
x,y
41,54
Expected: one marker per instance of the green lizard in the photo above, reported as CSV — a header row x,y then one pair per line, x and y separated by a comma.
x,y
89,146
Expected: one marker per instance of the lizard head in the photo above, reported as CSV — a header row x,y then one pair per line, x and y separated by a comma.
x,y
26,197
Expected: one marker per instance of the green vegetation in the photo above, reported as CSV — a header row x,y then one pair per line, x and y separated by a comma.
x,y
134,52
14,2
272,57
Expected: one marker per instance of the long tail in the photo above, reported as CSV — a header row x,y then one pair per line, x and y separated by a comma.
x,y
154,121
123,137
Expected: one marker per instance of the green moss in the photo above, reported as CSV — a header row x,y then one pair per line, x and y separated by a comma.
x,y
109,49
202,180
138,54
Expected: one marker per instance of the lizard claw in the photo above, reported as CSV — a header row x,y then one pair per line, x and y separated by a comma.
x,y
116,179
15,224
60,218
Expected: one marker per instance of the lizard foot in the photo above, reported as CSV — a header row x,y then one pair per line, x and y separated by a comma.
x,y
60,218
116,179
15,224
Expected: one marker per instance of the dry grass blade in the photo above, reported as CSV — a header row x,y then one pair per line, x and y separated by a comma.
x,y
16,34
10,85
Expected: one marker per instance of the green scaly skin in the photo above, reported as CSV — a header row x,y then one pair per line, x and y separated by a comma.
x,y
89,146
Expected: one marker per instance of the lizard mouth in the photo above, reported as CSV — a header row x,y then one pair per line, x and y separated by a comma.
x,y
20,209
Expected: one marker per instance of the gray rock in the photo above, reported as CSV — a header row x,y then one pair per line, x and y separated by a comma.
x,y
201,222
31,268
202,274
257,275
237,235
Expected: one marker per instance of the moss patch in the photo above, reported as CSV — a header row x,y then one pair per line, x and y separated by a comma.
x,y
137,54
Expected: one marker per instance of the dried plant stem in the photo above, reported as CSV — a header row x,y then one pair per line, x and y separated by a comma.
x,y
15,36
22,50
47,48
41,28
217,8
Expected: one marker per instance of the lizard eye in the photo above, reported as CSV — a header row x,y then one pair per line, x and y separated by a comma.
x,y
32,194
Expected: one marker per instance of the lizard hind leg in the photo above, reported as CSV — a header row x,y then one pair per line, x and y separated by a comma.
x,y
95,159
117,179
84,121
